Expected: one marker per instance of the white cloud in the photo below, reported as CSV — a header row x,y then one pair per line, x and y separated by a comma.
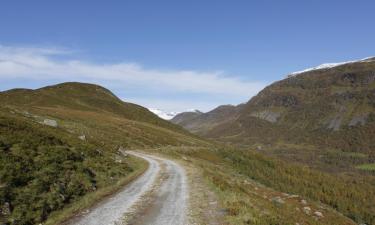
x,y
42,64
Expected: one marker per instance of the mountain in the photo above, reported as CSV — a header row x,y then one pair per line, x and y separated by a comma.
x,y
200,123
319,117
162,114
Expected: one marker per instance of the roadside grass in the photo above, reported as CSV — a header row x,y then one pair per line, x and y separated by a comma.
x,y
368,167
244,200
89,200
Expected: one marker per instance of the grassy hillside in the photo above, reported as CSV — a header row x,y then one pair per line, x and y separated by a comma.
x,y
81,97
44,169
61,149
93,111
257,189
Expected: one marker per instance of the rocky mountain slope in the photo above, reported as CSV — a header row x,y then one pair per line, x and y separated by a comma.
x,y
325,114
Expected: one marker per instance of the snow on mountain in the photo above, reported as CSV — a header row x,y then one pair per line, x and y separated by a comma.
x,y
168,115
162,114
330,65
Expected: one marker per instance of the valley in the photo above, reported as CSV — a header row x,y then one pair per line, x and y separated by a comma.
x,y
217,183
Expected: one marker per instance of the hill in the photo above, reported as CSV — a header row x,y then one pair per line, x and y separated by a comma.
x,y
61,149
93,111
201,123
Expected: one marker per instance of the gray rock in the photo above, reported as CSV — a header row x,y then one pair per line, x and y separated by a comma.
x,y
50,122
267,115
318,214
82,137
5,209
335,123
307,210
278,200
358,120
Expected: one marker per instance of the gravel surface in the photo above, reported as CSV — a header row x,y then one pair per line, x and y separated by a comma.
x,y
169,207
170,202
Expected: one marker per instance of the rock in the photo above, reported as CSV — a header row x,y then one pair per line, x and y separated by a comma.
x,y
5,209
50,122
318,214
293,196
122,151
267,115
82,137
307,210
358,120
303,201
278,200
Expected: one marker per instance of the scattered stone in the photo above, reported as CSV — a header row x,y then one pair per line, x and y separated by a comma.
x,y
122,151
118,159
82,137
5,209
318,214
358,120
303,201
307,210
99,151
293,196
50,122
278,200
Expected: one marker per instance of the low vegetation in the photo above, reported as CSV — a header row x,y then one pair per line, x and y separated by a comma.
x,y
44,169
257,189
369,167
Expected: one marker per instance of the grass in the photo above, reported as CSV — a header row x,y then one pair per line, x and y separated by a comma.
x,y
89,200
368,167
243,193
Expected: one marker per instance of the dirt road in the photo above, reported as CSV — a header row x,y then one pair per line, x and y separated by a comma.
x,y
168,183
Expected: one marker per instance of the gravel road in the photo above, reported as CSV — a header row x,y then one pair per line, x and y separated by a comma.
x,y
170,201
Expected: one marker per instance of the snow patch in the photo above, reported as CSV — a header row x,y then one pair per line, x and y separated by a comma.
x,y
162,114
168,115
330,65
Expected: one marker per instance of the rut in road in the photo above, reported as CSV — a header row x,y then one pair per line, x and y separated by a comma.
x,y
169,207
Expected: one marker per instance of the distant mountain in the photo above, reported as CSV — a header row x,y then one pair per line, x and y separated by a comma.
x,y
201,123
162,114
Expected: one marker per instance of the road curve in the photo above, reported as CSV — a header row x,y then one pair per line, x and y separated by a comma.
x,y
168,208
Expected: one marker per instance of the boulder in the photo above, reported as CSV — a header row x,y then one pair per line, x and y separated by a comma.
x,y
50,122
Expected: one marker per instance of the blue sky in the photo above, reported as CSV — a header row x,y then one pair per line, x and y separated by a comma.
x,y
177,55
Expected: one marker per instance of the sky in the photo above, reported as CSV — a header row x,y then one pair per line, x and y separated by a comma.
x,y
178,55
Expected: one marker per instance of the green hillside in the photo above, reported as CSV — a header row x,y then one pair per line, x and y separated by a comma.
x,y
61,149
43,169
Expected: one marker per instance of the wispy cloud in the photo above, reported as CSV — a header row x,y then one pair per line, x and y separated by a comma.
x,y
33,63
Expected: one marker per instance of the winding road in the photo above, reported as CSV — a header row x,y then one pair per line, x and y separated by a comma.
x,y
169,204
